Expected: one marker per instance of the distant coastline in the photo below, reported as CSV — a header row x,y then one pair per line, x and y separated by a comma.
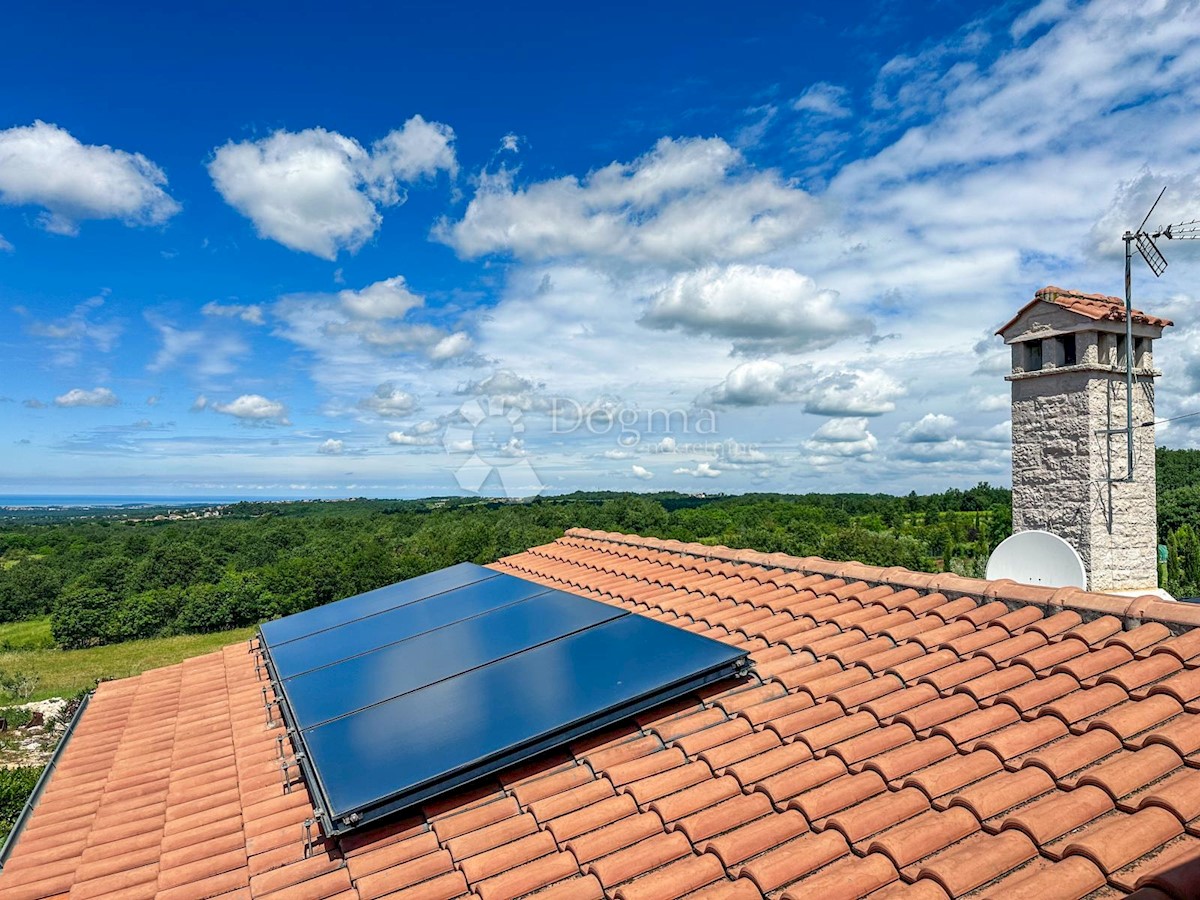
x,y
85,501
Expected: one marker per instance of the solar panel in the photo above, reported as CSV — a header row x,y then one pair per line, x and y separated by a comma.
x,y
389,707
430,657
416,617
361,605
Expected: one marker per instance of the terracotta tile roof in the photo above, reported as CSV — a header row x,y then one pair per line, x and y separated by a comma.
x,y
905,735
1099,307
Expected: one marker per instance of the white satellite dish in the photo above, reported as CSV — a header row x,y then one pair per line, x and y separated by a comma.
x,y
1037,557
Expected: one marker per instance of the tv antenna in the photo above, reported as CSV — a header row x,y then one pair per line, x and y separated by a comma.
x,y
1144,241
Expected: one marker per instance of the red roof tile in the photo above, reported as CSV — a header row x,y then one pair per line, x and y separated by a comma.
x,y
905,735
1098,307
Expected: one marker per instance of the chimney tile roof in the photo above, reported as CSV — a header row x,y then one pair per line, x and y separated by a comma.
x,y
1098,307
904,735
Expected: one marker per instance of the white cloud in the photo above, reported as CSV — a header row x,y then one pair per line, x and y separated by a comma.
x,y
423,434
759,307
5,246
318,191
733,453
702,470
202,352
251,313
1046,12
100,396
452,346
687,202
641,472
249,408
43,165
331,447
935,437
841,439
931,428
998,434
72,335
351,333
389,299
389,401
847,392
824,100
838,392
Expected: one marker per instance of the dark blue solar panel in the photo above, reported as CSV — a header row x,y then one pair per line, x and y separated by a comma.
x,y
362,635
379,675
429,740
402,694
339,613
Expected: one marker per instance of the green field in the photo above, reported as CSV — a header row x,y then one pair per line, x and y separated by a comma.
x,y
29,654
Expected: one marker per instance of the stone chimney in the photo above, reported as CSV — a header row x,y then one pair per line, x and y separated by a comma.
x,y
1068,431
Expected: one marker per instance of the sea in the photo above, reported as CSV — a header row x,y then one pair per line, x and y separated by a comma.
x,y
73,501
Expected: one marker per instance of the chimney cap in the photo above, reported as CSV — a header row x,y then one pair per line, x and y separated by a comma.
x,y
1099,307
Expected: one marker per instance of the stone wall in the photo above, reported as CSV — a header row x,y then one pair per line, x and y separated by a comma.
x,y
1062,463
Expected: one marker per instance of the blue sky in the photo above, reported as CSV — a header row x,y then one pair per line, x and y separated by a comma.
x,y
397,251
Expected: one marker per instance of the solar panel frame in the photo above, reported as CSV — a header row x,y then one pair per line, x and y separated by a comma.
x,y
710,661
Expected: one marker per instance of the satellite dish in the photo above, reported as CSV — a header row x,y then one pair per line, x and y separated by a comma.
x,y
1037,557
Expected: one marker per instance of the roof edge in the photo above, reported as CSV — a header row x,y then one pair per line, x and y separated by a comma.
x,y
1132,611
1052,294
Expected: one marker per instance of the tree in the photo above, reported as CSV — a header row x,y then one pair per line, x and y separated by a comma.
x,y
81,616
27,589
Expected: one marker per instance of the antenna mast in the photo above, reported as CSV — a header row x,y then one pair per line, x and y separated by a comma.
x,y
1186,231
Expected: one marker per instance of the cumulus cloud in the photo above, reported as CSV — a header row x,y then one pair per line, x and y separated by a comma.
x,y
839,392
389,299
841,439
100,396
320,192
641,472
701,470
423,434
760,307
935,437
931,428
5,246
351,331
687,202
389,401
44,165
251,313
249,408
331,447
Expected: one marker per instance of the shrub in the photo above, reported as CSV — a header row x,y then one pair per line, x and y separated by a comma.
x,y
15,787
18,685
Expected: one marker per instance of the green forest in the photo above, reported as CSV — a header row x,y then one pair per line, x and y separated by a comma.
x,y
114,579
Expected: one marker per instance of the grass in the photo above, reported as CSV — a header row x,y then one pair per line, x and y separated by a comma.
x,y
33,634
64,673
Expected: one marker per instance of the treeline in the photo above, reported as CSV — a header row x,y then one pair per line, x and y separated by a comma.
x,y
109,581
1179,518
